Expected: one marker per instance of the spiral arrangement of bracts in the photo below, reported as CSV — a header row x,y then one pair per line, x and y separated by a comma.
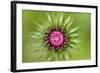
x,y
56,38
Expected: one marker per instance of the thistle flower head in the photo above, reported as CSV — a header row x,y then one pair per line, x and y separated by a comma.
x,y
56,36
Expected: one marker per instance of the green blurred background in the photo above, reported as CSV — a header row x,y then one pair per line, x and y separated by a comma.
x,y
83,20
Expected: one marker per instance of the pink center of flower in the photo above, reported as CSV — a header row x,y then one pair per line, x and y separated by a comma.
x,y
56,38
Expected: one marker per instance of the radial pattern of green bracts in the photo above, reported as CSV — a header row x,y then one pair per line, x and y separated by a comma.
x,y
55,22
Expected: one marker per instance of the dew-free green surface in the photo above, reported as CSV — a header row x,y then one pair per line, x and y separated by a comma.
x,y
80,19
